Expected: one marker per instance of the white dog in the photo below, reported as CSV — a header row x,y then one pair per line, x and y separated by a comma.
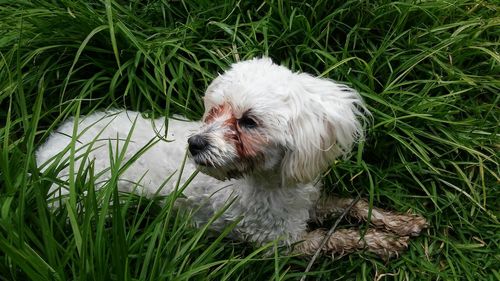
x,y
266,136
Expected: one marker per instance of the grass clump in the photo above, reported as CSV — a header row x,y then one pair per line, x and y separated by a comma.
x,y
428,70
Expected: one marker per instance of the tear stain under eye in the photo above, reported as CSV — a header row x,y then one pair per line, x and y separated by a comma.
x,y
248,145
251,144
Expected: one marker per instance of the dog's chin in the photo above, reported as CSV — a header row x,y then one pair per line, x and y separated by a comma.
x,y
220,173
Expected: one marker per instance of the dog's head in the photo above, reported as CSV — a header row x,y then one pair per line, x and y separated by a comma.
x,y
261,118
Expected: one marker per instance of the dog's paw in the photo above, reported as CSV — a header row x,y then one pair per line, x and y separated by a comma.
x,y
404,224
385,244
397,223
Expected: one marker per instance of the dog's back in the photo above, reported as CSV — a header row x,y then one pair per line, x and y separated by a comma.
x,y
102,137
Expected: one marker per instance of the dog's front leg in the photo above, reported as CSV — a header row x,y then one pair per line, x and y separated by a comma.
x,y
345,241
400,224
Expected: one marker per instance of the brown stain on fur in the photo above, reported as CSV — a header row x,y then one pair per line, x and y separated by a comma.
x,y
217,111
248,143
251,143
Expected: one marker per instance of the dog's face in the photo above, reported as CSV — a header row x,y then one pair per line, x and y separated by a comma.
x,y
261,118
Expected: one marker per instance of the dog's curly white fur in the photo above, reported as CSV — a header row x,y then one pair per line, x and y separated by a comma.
x,y
266,136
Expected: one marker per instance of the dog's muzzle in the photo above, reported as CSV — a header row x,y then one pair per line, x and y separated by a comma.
x,y
197,144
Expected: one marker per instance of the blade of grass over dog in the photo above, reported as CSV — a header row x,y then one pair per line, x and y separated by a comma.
x,y
77,236
120,244
169,209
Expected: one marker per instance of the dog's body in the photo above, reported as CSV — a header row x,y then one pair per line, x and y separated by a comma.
x,y
267,212
266,136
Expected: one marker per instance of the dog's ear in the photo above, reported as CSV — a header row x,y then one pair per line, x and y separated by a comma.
x,y
326,120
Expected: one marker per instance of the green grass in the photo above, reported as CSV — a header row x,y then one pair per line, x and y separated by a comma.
x,y
428,70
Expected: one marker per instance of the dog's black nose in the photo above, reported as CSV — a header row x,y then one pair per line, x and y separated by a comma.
x,y
197,144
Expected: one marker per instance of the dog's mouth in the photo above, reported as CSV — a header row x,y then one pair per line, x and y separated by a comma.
x,y
202,161
213,160
216,170
204,164
219,173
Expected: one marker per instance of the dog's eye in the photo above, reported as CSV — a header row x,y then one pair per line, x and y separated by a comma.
x,y
247,122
